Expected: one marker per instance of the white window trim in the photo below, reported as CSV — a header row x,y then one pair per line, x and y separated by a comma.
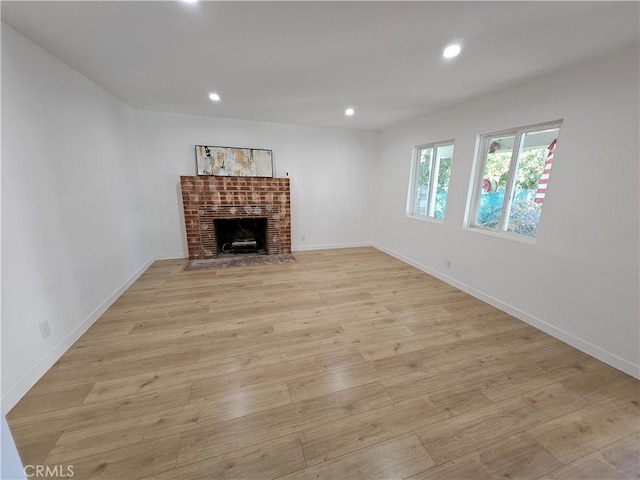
x,y
413,179
478,170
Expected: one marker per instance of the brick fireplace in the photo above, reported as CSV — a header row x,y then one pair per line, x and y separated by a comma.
x,y
206,199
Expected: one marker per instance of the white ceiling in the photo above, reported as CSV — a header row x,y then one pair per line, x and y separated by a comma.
x,y
305,62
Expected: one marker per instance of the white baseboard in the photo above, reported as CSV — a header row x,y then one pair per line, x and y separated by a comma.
x,y
13,396
305,248
566,337
172,256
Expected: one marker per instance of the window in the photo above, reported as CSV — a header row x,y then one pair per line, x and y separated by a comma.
x,y
513,172
430,180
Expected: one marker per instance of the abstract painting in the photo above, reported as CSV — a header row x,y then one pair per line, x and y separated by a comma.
x,y
233,161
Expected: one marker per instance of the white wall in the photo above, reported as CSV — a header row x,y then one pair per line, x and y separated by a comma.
x,y
73,225
10,463
580,279
331,171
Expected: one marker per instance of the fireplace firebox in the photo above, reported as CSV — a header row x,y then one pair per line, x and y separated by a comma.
x,y
240,235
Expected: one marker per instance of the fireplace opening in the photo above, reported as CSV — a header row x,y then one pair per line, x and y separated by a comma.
x,y
241,235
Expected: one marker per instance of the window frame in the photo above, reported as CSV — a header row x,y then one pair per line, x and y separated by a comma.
x,y
479,166
432,189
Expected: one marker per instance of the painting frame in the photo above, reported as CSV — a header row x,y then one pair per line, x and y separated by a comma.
x,y
219,161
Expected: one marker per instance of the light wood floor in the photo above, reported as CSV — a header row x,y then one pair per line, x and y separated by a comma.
x,y
346,365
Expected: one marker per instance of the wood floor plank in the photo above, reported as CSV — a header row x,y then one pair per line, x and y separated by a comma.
x,y
330,314
304,317
74,377
127,348
203,369
602,382
123,434
115,314
383,318
144,458
532,375
39,400
90,415
169,325
335,380
586,430
458,399
412,343
518,457
264,461
217,439
465,433
184,418
616,460
336,343
104,330
421,323
262,376
248,401
34,449
244,335
343,359
479,372
230,342
399,457
176,311
333,439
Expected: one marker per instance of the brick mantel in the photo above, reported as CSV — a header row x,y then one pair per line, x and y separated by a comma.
x,y
207,198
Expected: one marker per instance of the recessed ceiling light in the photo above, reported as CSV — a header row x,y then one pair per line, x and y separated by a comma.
x,y
190,1
214,97
349,111
451,51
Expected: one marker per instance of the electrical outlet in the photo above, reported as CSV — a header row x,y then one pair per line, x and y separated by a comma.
x,y
45,329
448,264
303,237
